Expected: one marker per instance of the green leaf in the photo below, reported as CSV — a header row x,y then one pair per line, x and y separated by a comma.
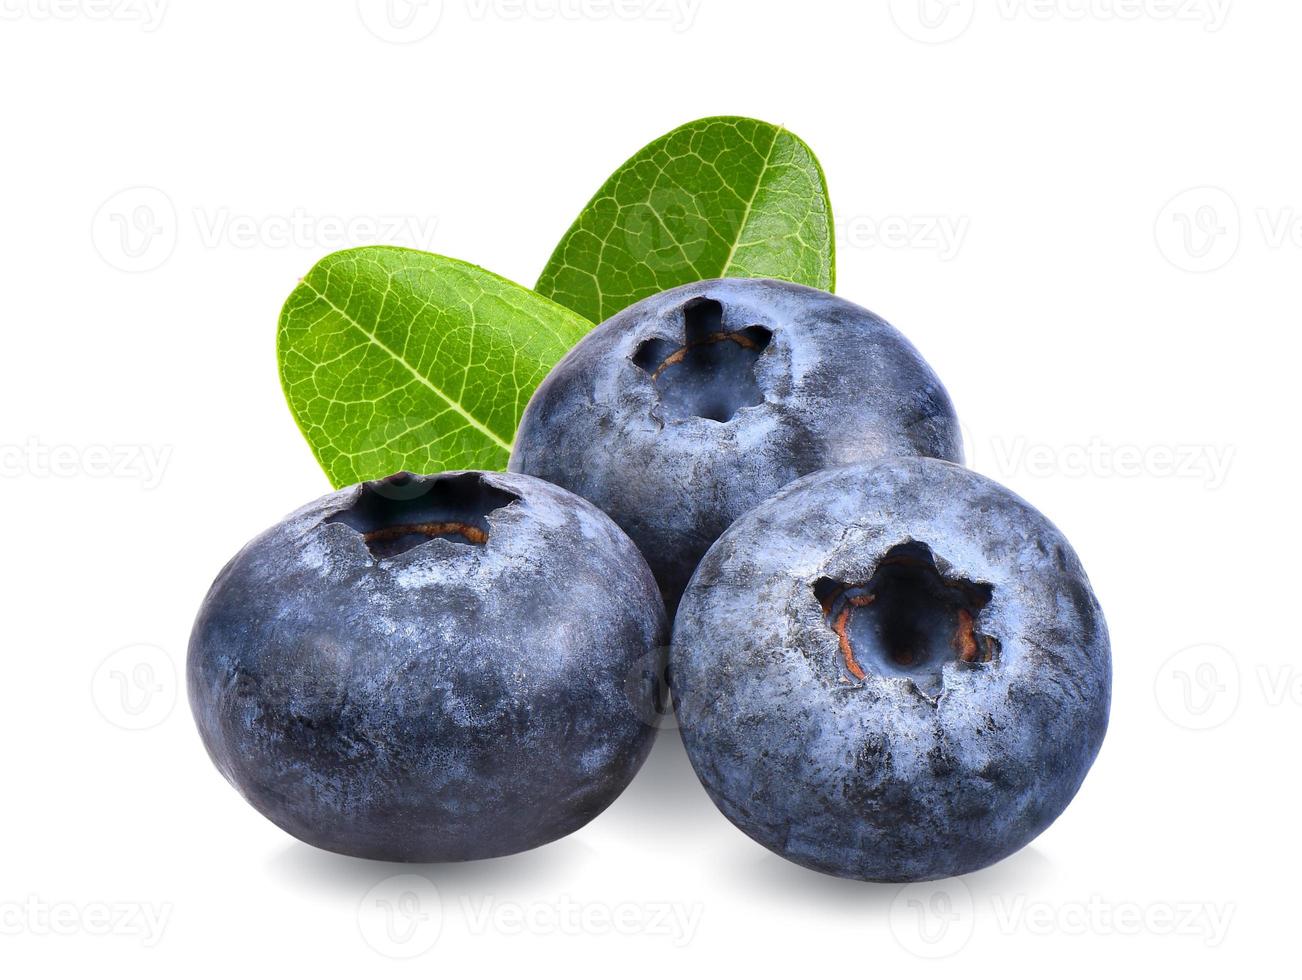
x,y
393,360
724,196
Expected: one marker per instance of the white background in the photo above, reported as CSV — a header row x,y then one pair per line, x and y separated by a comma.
x,y
1086,215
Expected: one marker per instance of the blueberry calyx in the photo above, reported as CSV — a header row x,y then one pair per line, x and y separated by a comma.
x,y
908,619
404,511
711,374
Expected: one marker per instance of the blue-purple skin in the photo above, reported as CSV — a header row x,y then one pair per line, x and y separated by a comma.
x,y
449,702
874,778
831,384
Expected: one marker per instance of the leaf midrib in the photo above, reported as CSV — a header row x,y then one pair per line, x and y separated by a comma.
x,y
452,403
750,203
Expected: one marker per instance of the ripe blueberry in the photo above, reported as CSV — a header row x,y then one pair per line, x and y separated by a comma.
x,y
431,668
681,413
893,671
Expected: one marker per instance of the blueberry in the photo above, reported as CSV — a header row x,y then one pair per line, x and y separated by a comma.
x,y
431,668
687,409
892,671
